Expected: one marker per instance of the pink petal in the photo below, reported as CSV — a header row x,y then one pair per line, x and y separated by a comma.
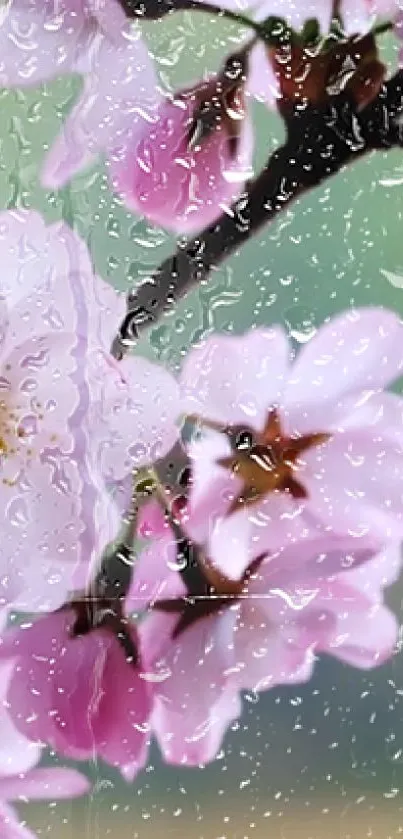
x,y
136,412
212,488
4,323
42,784
262,82
185,741
122,724
277,522
236,380
377,573
41,521
80,695
49,282
343,615
177,667
230,544
119,95
266,527
39,40
354,483
39,257
156,573
110,16
354,352
378,413
184,190
356,15
84,719
316,553
264,655
10,825
37,383
67,531
364,640
17,753
152,522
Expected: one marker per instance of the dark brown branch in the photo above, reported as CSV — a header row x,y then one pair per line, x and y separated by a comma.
x,y
320,142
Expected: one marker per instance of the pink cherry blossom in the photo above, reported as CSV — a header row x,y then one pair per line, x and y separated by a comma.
x,y
189,164
40,39
18,777
71,419
316,443
294,606
286,619
81,695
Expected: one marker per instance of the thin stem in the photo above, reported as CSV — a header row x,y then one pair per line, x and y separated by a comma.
x,y
381,28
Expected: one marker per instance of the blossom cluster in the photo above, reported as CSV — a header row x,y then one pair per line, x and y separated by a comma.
x,y
275,547
180,158
276,543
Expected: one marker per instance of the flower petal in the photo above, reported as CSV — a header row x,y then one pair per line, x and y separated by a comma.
x,y
119,95
355,352
61,691
379,572
355,485
156,572
17,753
264,656
178,187
38,257
186,740
10,825
188,723
236,381
40,39
42,784
212,488
363,639
134,413
262,82
355,15
110,16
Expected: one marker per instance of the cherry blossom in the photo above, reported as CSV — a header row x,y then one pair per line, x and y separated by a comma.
x,y
291,607
192,162
84,696
180,160
71,419
295,450
40,39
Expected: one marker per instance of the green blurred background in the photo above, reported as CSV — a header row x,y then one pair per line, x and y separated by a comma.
x,y
325,759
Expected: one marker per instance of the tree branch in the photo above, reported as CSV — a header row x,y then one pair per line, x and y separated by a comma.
x,y
319,143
